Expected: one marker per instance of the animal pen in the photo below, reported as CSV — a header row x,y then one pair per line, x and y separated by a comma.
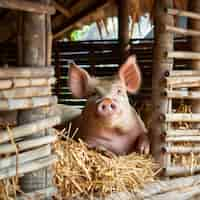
x,y
33,79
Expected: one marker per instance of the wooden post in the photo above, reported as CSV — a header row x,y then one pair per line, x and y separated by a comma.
x,y
195,47
34,50
123,34
163,43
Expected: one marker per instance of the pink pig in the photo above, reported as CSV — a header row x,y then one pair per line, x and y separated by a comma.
x,y
108,120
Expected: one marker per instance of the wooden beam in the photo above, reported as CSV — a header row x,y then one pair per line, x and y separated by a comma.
x,y
184,117
184,55
184,132
26,72
183,13
26,82
25,156
181,170
79,19
181,149
183,139
61,9
179,73
182,31
27,103
164,41
123,34
183,81
27,144
28,167
29,129
27,6
182,94
25,92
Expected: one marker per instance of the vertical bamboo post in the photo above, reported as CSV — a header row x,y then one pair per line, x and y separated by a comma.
x,y
34,54
123,34
195,46
161,66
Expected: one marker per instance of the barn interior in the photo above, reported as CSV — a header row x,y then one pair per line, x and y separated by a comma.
x,y
38,41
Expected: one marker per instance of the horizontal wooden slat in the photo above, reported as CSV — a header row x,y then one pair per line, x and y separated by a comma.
x,y
183,81
28,167
30,128
26,82
182,94
26,103
178,73
182,31
28,6
181,170
26,72
184,55
183,139
25,92
179,132
183,13
27,144
184,117
25,156
181,149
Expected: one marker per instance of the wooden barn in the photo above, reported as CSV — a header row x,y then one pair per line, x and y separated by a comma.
x,y
36,49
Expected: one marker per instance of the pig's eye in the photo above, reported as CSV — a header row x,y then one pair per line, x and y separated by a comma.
x,y
119,91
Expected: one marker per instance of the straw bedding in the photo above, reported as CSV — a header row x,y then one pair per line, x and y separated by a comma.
x,y
84,172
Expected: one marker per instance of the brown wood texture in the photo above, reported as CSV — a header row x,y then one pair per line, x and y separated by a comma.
x,y
27,6
164,41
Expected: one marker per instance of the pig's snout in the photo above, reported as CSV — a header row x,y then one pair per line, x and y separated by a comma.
x,y
107,107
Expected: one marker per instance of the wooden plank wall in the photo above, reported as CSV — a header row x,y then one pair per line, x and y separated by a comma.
x,y
99,58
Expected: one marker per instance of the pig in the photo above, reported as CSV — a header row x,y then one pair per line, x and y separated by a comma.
x,y
108,120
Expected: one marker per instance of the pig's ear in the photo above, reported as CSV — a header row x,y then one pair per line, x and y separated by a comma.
x,y
78,81
130,74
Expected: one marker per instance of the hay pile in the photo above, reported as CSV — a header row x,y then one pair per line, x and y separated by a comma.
x,y
84,172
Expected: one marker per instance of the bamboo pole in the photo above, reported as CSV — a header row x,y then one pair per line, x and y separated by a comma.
x,y
182,31
27,144
181,170
183,139
178,94
26,72
28,6
23,82
184,132
183,117
61,9
183,55
25,92
28,167
183,13
25,156
26,103
181,150
29,129
43,193
178,73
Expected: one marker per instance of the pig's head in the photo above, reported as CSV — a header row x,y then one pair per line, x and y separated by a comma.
x,y
107,97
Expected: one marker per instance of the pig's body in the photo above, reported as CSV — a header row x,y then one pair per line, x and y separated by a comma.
x,y
108,120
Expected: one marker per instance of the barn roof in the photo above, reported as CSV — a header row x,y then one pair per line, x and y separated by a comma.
x,y
73,14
